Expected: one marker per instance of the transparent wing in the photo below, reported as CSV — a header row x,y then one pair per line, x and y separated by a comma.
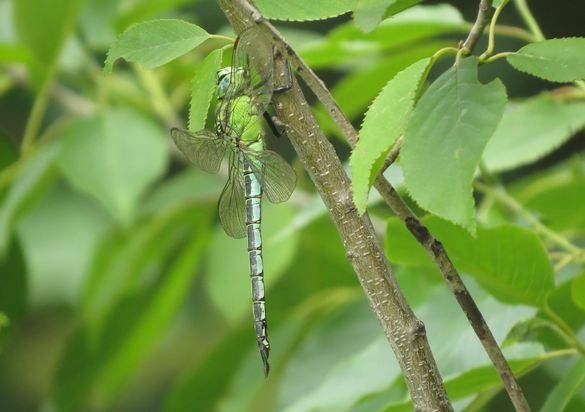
x,y
204,148
232,202
252,75
277,177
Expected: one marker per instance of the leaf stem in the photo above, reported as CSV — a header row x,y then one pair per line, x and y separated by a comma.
x,y
501,195
529,20
37,113
491,35
484,14
563,326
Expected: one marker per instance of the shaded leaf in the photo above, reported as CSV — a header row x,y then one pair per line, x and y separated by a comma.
x,y
556,60
384,123
448,131
302,10
14,291
368,13
99,157
33,178
567,387
156,42
136,323
202,89
532,129
507,260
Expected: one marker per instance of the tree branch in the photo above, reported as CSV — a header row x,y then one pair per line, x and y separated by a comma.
x,y
404,331
433,247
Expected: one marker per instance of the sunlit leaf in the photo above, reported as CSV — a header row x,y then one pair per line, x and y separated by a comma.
x,y
43,25
384,123
556,60
202,89
156,42
532,129
114,156
578,291
301,10
448,131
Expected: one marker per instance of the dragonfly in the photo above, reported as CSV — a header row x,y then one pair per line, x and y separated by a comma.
x,y
244,91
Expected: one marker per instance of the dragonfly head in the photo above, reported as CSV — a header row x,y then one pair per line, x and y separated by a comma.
x,y
226,76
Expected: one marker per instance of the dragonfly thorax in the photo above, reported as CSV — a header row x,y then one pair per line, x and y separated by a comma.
x,y
231,82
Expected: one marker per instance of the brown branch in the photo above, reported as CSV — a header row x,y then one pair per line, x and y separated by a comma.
x,y
484,16
404,331
433,247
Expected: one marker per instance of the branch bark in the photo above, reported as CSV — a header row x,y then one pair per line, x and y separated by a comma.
x,y
433,247
404,331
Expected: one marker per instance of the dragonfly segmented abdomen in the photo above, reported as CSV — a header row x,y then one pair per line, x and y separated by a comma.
x,y
253,196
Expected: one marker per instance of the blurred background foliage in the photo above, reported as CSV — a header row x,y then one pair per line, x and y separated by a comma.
x,y
119,291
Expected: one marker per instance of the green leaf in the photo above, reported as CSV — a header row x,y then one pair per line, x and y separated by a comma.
x,y
578,290
114,156
43,25
229,257
33,179
302,10
15,53
134,326
448,131
532,129
567,387
203,88
368,13
57,252
556,60
384,123
507,260
14,291
156,42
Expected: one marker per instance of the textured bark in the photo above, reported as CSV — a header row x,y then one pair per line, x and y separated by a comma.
x,y
404,331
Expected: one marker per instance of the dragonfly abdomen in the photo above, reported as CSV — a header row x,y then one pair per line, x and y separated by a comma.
x,y
253,192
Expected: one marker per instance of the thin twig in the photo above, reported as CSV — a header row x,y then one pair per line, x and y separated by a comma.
x,y
433,247
484,16
404,331
529,19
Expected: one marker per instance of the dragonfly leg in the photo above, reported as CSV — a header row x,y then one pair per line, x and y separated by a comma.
x,y
285,71
277,127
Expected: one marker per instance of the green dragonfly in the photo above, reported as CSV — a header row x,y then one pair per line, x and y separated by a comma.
x,y
244,92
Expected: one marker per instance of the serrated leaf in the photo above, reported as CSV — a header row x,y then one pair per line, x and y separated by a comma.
x,y
384,123
33,179
556,60
156,42
113,157
302,10
567,387
202,89
369,13
448,131
507,260
43,25
532,129
578,290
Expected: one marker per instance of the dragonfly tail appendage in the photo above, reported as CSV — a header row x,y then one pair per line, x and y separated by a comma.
x,y
253,218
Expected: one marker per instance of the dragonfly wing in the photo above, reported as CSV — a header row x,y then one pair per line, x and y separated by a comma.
x,y
277,177
232,202
204,148
253,52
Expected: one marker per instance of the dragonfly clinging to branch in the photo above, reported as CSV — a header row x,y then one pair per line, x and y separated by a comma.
x,y
244,92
